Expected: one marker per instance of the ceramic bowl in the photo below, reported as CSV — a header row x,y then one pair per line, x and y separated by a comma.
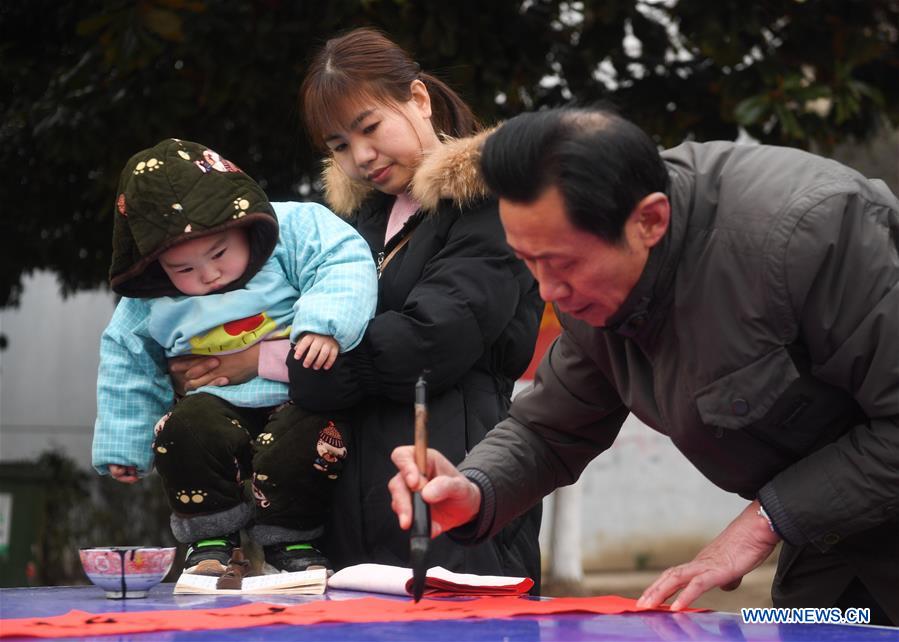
x,y
126,571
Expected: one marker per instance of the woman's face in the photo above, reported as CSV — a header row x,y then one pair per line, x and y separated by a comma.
x,y
383,143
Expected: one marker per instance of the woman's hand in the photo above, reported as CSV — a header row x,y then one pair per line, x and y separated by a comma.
x,y
124,474
454,499
192,372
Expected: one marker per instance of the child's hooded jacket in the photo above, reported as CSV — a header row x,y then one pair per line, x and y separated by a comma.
x,y
317,276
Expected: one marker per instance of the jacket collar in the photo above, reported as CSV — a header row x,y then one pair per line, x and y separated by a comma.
x,y
451,172
644,308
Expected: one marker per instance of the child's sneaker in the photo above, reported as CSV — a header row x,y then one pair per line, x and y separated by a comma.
x,y
295,557
210,556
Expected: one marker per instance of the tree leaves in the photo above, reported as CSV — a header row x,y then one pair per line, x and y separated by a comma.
x,y
90,82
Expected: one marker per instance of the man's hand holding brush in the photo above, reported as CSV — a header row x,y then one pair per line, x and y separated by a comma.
x,y
454,499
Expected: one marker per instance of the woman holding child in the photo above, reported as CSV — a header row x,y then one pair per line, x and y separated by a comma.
x,y
453,301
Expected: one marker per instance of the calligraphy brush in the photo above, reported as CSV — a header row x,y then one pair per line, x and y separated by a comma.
x,y
420,534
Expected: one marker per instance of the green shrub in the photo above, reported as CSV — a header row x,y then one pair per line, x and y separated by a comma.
x,y
85,510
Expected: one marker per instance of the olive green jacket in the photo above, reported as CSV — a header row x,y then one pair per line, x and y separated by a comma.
x,y
762,338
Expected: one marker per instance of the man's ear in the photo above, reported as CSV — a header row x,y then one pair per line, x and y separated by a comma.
x,y
421,97
650,219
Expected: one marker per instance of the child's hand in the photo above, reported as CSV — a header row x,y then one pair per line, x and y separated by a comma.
x,y
320,350
124,474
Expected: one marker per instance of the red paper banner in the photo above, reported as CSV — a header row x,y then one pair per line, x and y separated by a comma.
x,y
368,609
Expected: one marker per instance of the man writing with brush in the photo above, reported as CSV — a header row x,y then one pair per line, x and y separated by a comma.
x,y
744,301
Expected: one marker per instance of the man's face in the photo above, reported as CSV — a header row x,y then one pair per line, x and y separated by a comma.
x,y
585,276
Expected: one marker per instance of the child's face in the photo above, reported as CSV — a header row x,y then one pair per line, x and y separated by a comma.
x,y
209,263
382,144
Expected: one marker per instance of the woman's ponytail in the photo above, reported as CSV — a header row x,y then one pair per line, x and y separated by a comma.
x,y
450,114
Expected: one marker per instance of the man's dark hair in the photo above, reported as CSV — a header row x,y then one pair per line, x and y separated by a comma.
x,y
601,163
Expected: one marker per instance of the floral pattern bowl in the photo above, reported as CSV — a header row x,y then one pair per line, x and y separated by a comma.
x,y
126,571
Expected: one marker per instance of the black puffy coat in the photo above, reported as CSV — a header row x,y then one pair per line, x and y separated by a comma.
x,y
453,301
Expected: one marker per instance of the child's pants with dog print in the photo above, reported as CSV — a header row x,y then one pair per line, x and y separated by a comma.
x,y
269,470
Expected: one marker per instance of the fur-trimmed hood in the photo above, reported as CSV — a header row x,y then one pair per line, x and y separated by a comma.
x,y
452,171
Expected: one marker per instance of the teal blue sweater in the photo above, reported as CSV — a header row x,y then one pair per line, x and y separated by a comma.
x,y
320,278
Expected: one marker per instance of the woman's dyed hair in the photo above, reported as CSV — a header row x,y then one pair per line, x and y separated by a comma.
x,y
364,63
